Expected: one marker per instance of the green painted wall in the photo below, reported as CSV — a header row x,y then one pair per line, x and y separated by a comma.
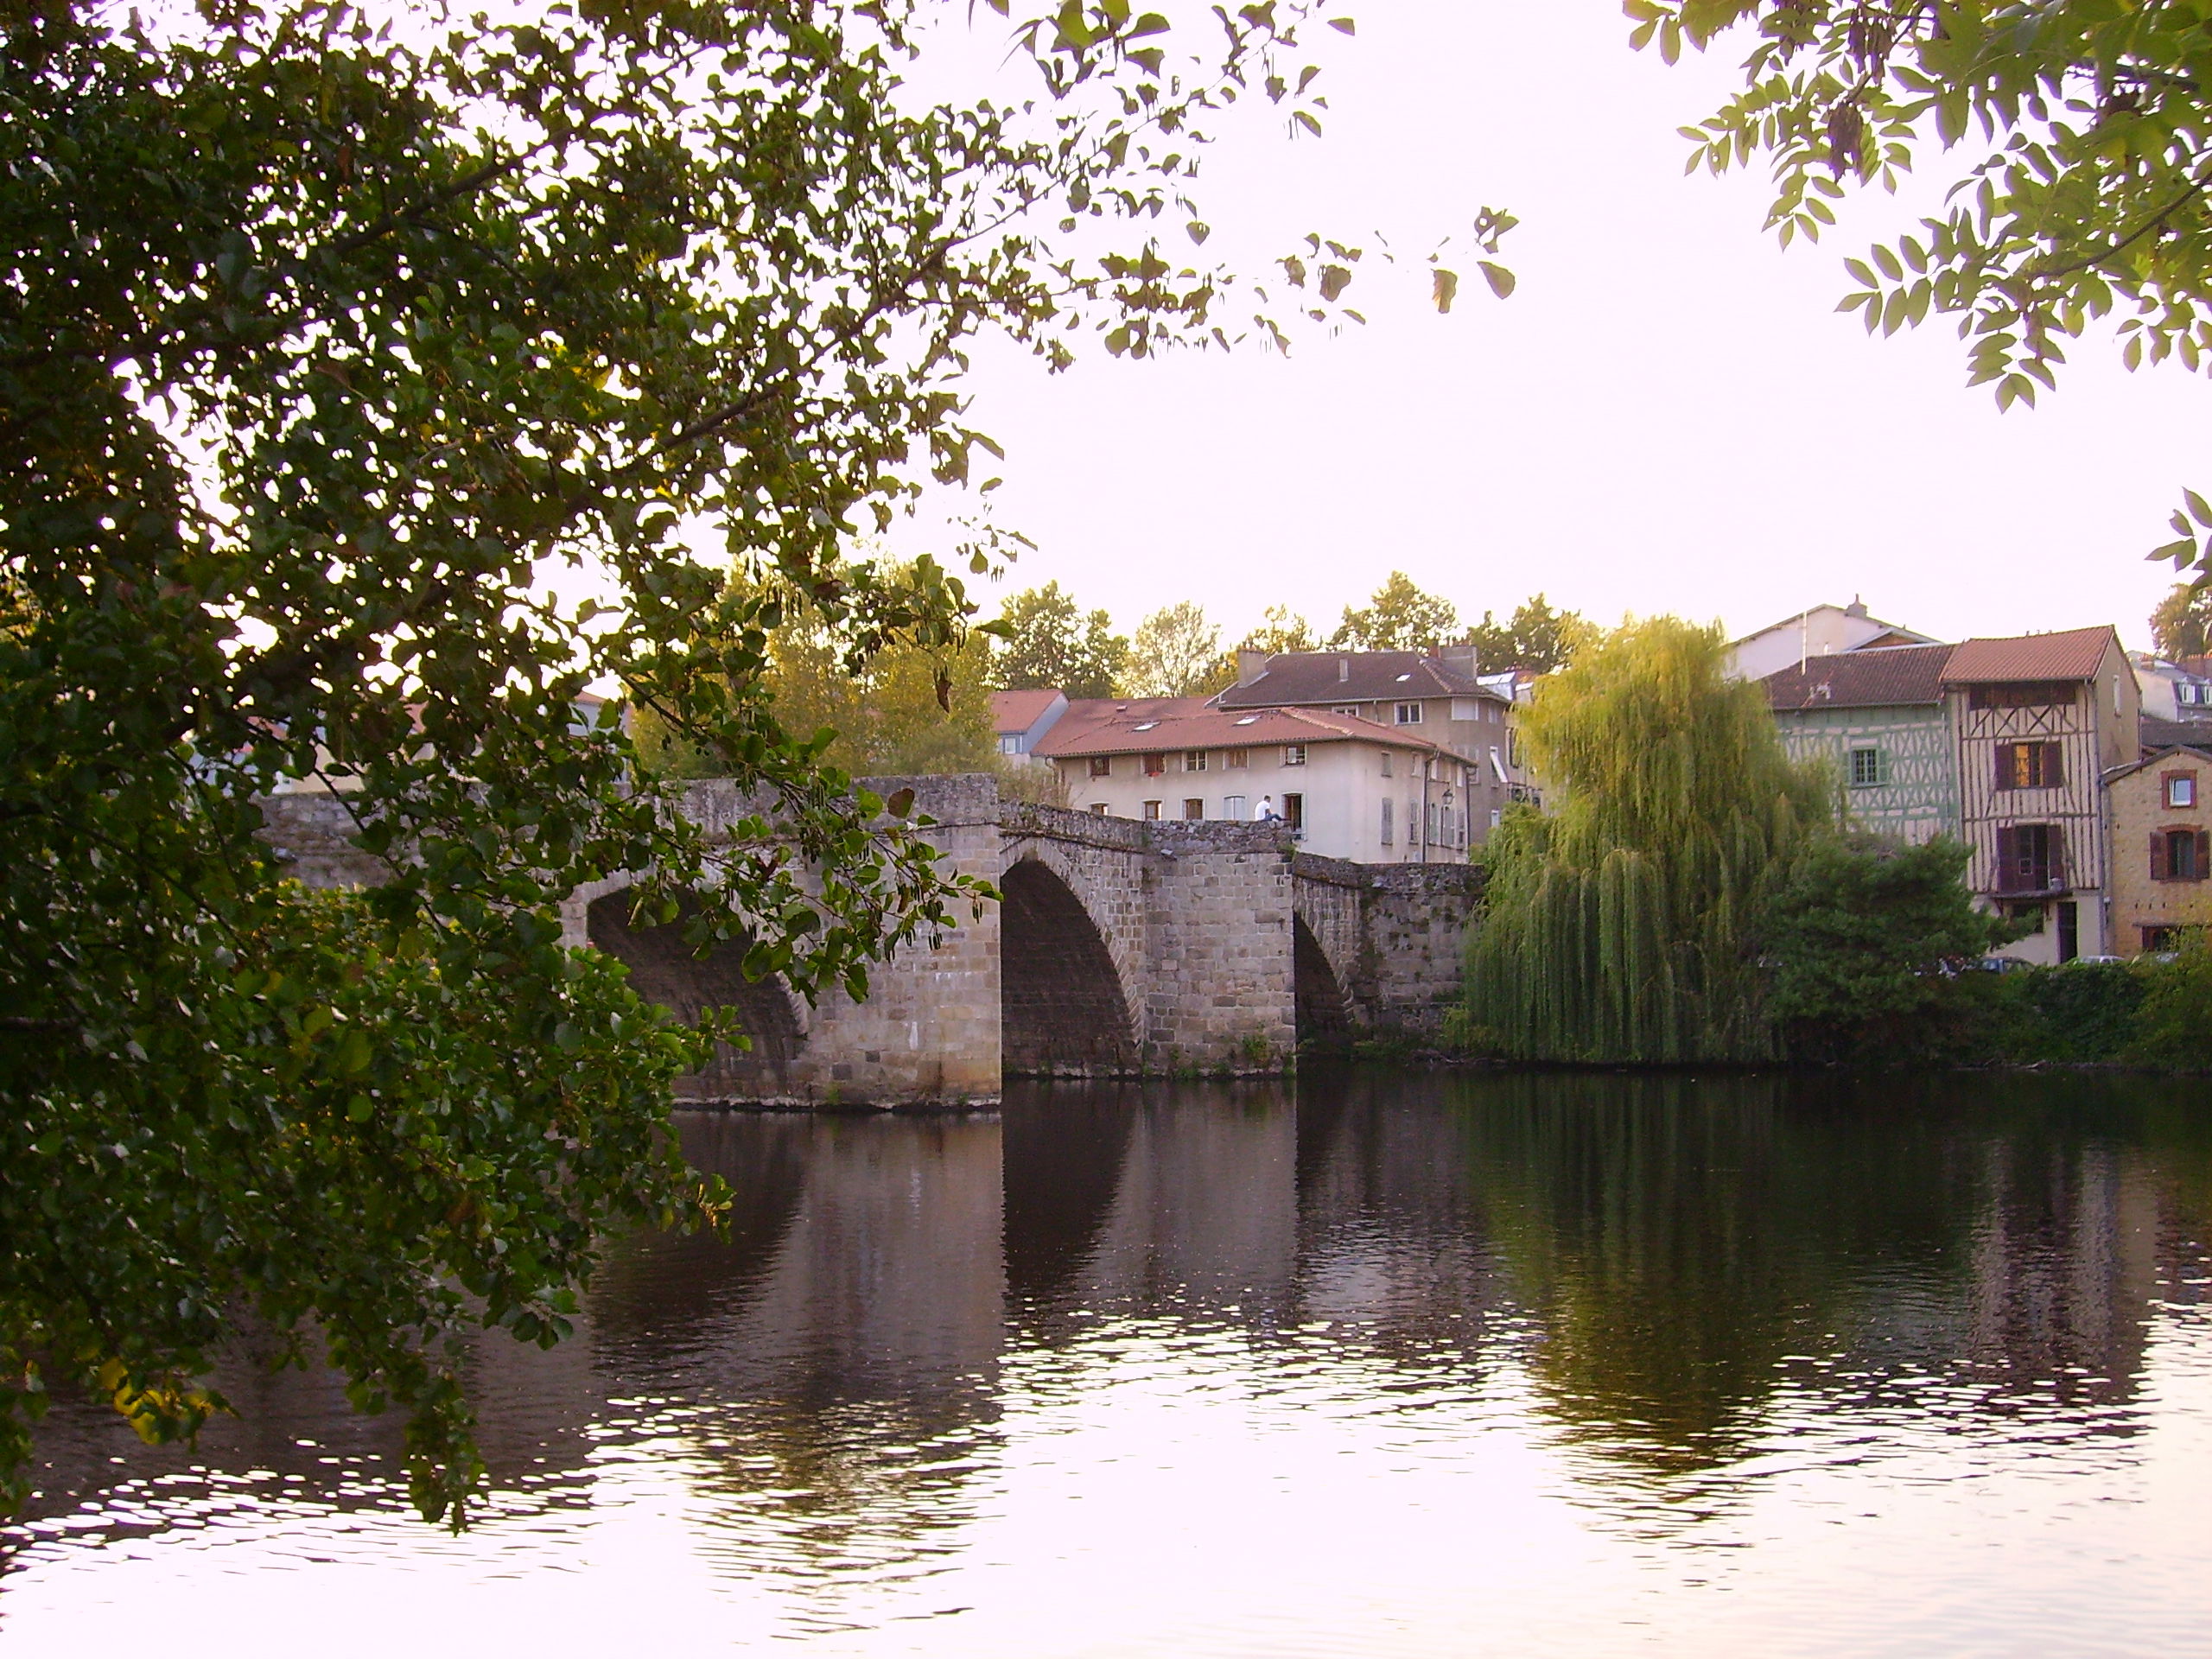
x,y
1919,795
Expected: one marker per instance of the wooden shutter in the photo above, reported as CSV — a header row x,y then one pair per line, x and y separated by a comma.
x,y
2203,853
2158,872
2054,765
2004,777
2003,881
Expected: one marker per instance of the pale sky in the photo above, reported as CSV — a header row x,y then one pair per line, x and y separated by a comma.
x,y
1669,415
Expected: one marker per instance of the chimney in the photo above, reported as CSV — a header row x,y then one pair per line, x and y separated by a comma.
x,y
1459,659
1856,608
1343,668
1250,664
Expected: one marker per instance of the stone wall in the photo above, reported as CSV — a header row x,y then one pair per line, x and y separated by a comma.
x,y
1123,947
1394,933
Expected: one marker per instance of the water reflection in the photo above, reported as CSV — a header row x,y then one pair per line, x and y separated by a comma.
x,y
952,1367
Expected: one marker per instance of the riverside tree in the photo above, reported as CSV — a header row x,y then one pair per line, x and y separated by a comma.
x,y
324,333
1624,927
2082,198
1047,641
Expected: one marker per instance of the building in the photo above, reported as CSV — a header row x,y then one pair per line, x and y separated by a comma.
x,y
1347,787
1439,697
1824,631
1878,717
1022,718
2174,691
2038,720
2161,849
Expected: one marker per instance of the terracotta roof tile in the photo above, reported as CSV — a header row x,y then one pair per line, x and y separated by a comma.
x,y
2074,655
1017,711
1160,725
2155,733
1862,679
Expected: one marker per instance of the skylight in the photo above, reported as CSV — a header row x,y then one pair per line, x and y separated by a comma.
x,y
1248,720
1144,725
1402,678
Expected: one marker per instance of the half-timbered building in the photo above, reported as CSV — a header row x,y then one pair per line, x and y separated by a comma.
x,y
2038,721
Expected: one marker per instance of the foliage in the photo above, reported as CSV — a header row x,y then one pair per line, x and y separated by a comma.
x,y
2173,1024
1623,928
1282,632
1537,637
2181,624
2087,203
1863,942
318,342
1177,653
1045,640
1398,616
905,710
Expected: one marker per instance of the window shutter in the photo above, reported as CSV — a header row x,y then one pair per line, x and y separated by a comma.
x,y
2157,855
2203,853
2004,781
2054,765
2004,860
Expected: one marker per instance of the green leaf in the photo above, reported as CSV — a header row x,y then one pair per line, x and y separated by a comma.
x,y
1500,279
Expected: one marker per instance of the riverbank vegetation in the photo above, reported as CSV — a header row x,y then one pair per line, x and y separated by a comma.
x,y
1696,896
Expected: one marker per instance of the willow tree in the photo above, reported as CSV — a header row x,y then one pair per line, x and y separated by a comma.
x,y
1621,928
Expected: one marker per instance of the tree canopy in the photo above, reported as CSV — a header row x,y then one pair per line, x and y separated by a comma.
x,y
321,340
2080,200
1398,616
2181,627
1536,637
1623,927
1045,639
1280,631
1176,652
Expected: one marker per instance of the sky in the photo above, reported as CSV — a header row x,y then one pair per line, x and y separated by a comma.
x,y
1667,416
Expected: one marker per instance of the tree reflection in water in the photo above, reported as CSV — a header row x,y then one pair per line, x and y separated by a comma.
x,y
1671,1277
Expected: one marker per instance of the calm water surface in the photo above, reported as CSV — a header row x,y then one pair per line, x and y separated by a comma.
x,y
1376,1364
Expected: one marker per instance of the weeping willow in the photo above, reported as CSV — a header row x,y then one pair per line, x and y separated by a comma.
x,y
1619,928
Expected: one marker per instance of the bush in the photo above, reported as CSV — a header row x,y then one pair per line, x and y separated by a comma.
x,y
2172,1026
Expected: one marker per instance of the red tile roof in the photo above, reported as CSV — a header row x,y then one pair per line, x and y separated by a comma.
x,y
2075,654
1017,711
1862,679
1159,725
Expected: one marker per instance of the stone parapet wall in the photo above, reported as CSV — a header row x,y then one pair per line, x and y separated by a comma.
x,y
1123,947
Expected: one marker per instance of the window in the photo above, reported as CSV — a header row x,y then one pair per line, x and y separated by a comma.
x,y
1465,708
1865,768
1102,766
2028,694
1386,763
1232,808
1010,744
1413,823
1155,764
1352,708
2180,855
2031,858
2168,937
2029,766
1293,812
1194,807
1293,754
1152,808
1408,714
2181,789
1496,817
1236,760
1194,761
1387,830
1098,808
1428,830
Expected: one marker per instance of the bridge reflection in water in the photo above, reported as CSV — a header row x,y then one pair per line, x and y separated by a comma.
x,y
1362,1335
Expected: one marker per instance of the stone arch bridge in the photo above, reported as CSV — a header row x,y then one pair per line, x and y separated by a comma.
x,y
1121,948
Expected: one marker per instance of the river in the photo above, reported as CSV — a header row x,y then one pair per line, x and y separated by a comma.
x,y
1376,1363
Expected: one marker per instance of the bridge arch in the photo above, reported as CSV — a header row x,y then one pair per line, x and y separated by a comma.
x,y
1324,1011
1064,1007
663,968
